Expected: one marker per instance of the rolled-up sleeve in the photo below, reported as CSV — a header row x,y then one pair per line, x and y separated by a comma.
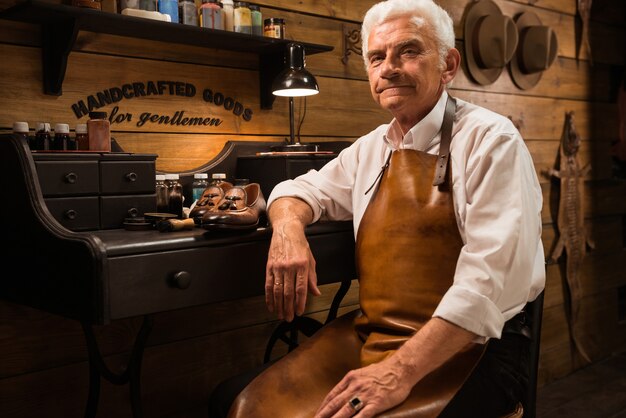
x,y
501,230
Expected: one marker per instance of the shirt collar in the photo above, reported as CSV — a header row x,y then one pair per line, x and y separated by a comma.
x,y
421,136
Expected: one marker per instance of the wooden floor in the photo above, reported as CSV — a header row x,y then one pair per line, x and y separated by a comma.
x,y
596,391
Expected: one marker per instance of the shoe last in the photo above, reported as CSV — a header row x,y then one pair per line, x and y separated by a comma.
x,y
241,208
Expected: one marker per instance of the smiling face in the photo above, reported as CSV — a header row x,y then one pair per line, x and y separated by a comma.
x,y
404,69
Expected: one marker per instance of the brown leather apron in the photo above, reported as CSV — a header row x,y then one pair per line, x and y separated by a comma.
x,y
407,246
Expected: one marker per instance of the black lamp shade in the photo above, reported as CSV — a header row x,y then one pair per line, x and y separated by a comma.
x,y
295,81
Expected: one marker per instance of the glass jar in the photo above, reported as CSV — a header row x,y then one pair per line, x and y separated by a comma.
x,y
198,185
42,137
211,14
61,134
242,17
274,27
257,20
99,132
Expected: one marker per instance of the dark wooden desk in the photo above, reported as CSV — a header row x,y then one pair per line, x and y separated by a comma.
x,y
99,276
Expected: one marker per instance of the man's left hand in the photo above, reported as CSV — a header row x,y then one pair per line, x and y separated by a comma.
x,y
378,387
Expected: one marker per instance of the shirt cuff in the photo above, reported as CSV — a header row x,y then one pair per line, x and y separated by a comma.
x,y
289,188
471,311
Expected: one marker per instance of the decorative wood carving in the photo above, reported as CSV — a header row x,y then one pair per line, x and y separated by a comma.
x,y
351,42
573,237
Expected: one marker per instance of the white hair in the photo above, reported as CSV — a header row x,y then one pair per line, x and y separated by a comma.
x,y
419,10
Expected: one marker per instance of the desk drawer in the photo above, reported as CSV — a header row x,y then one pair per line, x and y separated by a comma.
x,y
114,209
155,282
76,213
68,178
127,177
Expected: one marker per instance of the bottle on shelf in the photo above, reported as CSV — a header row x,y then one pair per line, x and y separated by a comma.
x,y
256,19
99,132
211,14
274,27
42,137
82,139
21,129
198,185
61,133
174,195
242,18
71,143
228,11
162,202
187,12
217,179
170,8
148,5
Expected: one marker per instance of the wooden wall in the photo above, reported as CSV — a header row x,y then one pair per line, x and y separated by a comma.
x,y
43,371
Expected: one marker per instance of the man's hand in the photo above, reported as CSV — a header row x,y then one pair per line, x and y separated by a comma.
x,y
383,385
290,270
379,387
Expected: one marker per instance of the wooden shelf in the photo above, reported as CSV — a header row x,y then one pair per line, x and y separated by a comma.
x,y
60,25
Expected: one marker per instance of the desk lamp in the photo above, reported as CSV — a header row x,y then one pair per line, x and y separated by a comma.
x,y
294,81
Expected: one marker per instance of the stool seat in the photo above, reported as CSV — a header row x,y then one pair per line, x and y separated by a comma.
x,y
518,413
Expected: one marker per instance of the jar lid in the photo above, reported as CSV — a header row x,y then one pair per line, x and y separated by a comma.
x,y
20,127
43,126
172,177
201,176
81,128
254,7
159,177
241,4
62,128
97,115
271,20
218,176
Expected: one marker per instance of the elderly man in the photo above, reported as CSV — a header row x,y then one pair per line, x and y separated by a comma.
x,y
446,209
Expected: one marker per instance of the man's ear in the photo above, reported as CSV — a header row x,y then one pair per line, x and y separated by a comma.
x,y
453,61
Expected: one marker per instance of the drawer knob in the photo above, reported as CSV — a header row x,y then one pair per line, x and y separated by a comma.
x,y
71,214
131,177
181,280
133,212
71,178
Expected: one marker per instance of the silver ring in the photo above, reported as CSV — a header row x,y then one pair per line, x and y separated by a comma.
x,y
278,283
356,404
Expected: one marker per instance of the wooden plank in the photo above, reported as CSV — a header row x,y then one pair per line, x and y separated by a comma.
x,y
600,199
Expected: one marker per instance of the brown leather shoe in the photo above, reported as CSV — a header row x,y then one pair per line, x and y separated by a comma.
x,y
211,196
241,208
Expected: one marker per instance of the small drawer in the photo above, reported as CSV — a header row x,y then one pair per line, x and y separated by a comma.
x,y
127,177
68,178
75,213
115,208
155,282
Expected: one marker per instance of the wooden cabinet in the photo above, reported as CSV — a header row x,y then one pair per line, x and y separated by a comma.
x,y
91,191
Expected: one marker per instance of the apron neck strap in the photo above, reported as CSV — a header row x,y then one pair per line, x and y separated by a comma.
x,y
444,145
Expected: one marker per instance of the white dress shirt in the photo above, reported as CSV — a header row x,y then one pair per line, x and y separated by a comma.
x,y
497,202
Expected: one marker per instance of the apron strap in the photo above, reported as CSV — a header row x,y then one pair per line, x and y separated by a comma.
x,y
444,145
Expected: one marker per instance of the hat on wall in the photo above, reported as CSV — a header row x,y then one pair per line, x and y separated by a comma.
x,y
490,41
536,53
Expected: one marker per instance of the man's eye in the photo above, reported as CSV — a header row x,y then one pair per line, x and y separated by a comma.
x,y
375,59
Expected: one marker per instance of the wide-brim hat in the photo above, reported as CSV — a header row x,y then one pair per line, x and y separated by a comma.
x,y
536,52
490,41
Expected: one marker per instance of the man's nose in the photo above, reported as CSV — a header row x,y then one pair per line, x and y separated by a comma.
x,y
390,67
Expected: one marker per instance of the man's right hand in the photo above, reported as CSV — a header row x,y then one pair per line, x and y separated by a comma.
x,y
290,271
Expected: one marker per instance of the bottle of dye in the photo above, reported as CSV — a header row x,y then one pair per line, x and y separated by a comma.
x,y
82,138
228,14
99,131
257,20
211,14
198,185
169,7
42,137
61,134
162,203
174,195
242,17
21,129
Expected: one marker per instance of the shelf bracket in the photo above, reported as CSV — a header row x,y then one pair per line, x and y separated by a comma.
x,y
270,65
57,40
